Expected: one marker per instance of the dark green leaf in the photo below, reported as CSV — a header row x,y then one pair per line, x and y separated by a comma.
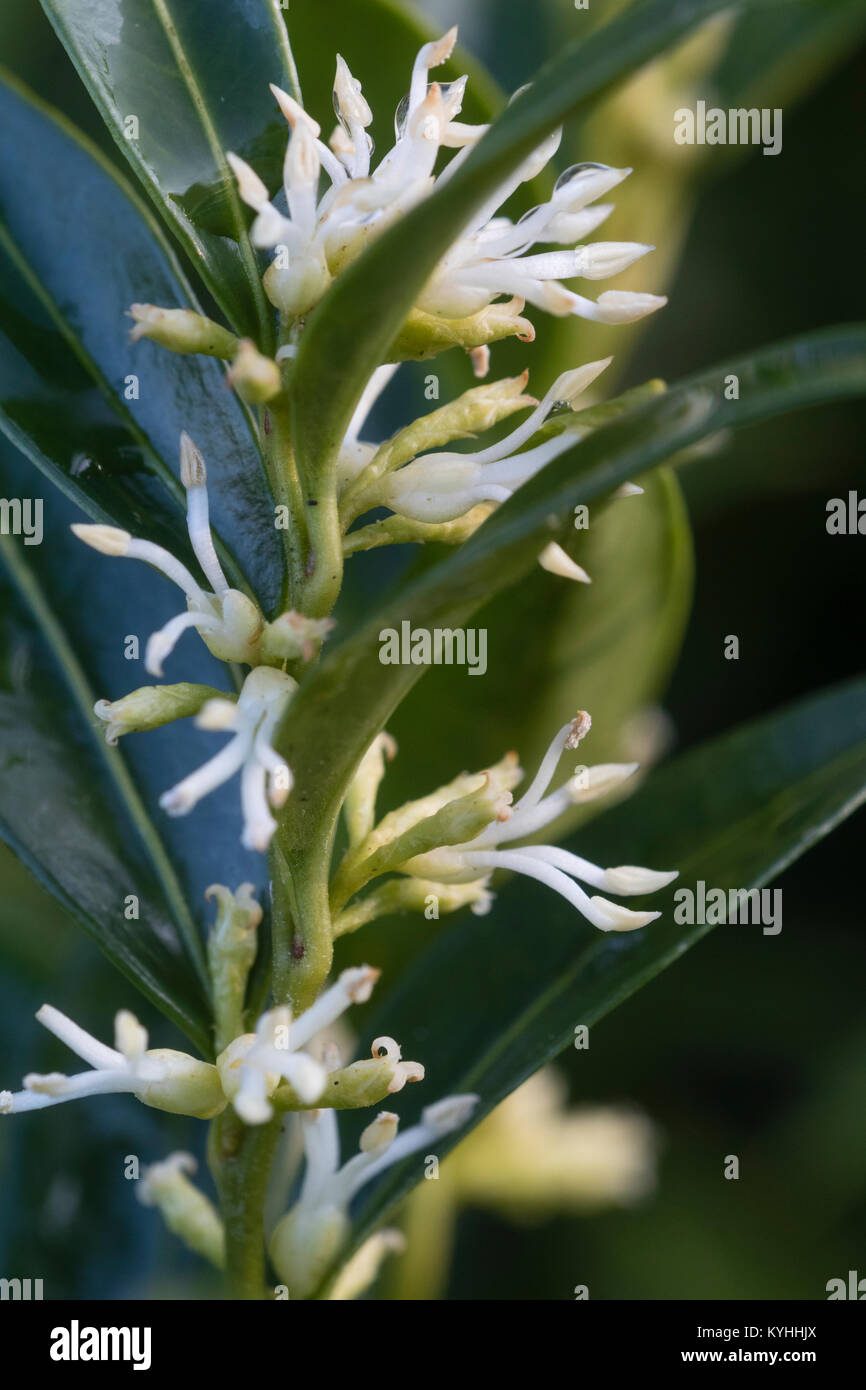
x,y
607,647
75,250
774,51
195,77
70,809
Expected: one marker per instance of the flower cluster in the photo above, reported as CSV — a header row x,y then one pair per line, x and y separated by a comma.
x,y
322,232
273,1069
235,630
449,843
304,1243
430,492
270,1068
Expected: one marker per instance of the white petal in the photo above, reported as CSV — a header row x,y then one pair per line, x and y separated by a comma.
x,y
557,561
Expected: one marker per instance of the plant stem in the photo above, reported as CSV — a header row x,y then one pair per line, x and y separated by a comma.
x,y
323,570
240,1158
286,489
303,946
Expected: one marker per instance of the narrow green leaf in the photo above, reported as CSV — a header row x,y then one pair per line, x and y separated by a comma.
x,y
607,647
101,416
195,79
70,809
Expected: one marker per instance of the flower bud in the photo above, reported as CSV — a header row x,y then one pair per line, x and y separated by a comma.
x,y
255,377
181,330
362,1083
152,706
190,1087
187,1212
424,335
294,637
231,950
303,1245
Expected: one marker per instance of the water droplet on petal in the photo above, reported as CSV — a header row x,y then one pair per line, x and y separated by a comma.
x,y
338,112
401,117
575,172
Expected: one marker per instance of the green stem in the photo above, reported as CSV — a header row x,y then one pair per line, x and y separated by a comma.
x,y
240,1158
286,489
323,570
303,945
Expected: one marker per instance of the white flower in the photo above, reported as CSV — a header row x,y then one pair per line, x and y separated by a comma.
x,y
321,234
265,776
443,486
253,1065
161,1077
488,259
305,1241
557,868
227,620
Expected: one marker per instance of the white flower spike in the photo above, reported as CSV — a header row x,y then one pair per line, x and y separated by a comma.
x,y
265,776
162,1078
307,1238
324,231
556,868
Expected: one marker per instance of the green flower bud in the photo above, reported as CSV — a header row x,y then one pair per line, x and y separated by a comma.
x,y
231,950
303,1245
151,706
450,816
182,330
412,895
359,807
255,377
362,1083
401,530
190,1087
425,335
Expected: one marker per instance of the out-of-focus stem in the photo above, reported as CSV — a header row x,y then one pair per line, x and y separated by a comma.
x,y
240,1158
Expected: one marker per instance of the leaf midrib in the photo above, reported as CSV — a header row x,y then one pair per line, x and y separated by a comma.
x,y
196,96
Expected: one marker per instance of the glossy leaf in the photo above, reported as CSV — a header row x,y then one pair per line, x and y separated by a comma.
x,y
734,813
195,79
105,609
554,647
101,417
71,811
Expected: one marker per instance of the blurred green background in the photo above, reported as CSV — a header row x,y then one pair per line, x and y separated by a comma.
x,y
751,1045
